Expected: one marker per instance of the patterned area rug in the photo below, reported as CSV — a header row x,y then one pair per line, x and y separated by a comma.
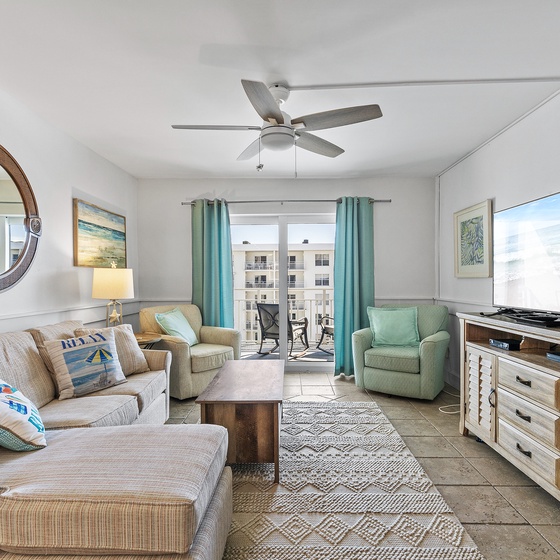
x,y
349,489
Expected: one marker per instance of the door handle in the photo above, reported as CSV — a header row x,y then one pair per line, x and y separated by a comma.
x,y
492,391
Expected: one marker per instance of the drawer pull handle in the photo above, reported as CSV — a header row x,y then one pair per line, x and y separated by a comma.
x,y
521,450
522,381
522,416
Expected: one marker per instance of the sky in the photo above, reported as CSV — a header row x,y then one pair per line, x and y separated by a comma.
x,y
314,233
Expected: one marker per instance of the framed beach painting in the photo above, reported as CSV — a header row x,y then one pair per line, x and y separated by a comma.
x,y
473,241
99,236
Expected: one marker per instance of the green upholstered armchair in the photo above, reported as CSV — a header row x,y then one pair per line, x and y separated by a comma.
x,y
407,371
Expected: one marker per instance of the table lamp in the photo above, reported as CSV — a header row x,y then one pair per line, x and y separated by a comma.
x,y
113,284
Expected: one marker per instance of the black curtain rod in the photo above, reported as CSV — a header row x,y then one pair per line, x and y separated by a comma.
x,y
338,201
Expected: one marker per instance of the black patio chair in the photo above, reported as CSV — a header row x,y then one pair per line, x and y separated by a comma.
x,y
327,329
270,328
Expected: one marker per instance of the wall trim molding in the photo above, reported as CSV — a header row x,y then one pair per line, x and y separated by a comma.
x,y
500,132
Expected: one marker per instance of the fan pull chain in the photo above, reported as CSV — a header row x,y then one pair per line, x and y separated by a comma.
x,y
295,159
260,165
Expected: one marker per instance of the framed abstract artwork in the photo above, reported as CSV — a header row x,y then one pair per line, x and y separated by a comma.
x,y
99,236
473,241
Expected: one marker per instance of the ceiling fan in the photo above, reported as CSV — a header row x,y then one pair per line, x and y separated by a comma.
x,y
280,132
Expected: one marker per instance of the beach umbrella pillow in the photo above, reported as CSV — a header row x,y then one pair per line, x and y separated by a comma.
x,y
85,364
21,427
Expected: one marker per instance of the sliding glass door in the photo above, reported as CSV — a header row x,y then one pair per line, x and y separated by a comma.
x,y
284,263
255,284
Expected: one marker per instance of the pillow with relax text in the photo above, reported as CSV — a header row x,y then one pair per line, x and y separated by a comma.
x,y
394,326
85,364
175,323
131,357
21,427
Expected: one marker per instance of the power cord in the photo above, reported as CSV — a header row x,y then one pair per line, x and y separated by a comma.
x,y
442,408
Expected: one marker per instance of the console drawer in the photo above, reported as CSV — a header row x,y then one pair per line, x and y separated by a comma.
x,y
532,419
538,458
532,383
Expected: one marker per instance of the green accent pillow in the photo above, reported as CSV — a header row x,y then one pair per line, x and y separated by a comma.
x,y
175,323
394,326
21,427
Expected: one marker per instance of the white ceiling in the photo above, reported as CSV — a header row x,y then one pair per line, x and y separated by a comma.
x,y
116,74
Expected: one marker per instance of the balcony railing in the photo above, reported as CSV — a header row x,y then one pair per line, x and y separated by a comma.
x,y
259,285
293,265
260,266
313,309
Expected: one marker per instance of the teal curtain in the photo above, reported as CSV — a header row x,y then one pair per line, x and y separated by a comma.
x,y
212,262
354,286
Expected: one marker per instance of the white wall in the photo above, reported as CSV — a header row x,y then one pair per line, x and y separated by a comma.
x,y
519,165
404,228
59,169
158,227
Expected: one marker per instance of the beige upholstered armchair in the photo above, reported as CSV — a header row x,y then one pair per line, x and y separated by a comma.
x,y
416,370
192,366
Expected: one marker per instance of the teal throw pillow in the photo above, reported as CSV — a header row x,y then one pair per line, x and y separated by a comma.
x,y
21,427
175,323
394,326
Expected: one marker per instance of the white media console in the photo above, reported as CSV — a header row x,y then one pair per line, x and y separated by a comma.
x,y
510,399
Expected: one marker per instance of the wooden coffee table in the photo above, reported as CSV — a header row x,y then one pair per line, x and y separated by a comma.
x,y
246,398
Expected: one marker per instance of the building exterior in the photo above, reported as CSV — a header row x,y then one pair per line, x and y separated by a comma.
x,y
257,272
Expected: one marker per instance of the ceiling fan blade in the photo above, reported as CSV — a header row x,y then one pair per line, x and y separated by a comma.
x,y
263,101
318,145
213,127
250,151
338,117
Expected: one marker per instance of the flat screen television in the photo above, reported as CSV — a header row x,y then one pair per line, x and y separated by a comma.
x,y
526,244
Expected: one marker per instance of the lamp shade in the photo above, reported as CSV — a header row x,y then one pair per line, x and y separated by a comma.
x,y
112,283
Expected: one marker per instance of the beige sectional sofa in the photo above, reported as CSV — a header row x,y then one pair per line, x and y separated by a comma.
x,y
112,480
24,363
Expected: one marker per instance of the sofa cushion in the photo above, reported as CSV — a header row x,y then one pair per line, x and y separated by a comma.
x,y
394,358
150,502
90,412
146,387
64,329
85,364
130,355
19,356
394,326
21,428
205,357
174,323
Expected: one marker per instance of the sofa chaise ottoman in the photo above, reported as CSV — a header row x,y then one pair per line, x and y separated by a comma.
x,y
130,491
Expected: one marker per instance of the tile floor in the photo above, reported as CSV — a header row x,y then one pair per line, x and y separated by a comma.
x,y
508,515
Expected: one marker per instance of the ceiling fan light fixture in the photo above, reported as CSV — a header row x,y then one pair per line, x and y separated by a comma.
x,y
278,138
279,132
280,93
